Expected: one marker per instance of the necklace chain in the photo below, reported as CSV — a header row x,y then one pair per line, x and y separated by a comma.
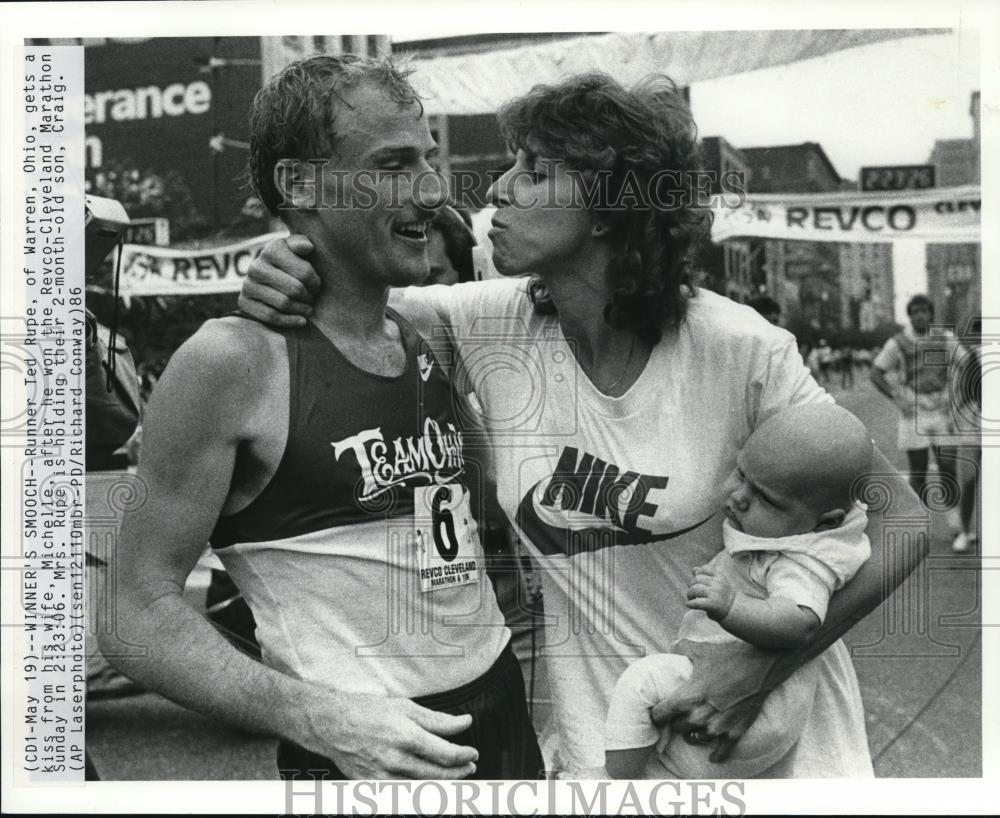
x,y
611,387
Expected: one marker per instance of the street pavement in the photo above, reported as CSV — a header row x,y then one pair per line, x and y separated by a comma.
x,y
918,657
918,661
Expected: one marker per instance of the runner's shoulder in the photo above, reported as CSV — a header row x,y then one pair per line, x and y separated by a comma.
x,y
229,356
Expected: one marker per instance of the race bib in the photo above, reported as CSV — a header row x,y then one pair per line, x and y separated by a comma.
x,y
446,537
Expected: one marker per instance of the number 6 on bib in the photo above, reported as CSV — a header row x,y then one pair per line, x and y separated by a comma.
x,y
447,539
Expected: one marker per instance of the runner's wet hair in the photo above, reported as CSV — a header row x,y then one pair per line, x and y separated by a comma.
x,y
295,115
635,151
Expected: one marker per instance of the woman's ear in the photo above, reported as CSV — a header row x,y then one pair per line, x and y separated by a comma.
x,y
299,184
830,519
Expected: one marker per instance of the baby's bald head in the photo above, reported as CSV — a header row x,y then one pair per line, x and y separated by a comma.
x,y
814,452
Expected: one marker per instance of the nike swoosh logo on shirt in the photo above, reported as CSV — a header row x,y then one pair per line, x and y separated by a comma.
x,y
552,539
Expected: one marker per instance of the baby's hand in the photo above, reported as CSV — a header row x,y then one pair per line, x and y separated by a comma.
x,y
710,593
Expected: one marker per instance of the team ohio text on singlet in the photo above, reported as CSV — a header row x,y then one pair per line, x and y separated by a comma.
x,y
361,559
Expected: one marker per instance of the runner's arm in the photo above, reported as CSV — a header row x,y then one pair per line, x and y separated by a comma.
x,y
197,419
886,361
881,383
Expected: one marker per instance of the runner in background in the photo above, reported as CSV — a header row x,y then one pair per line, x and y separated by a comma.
x,y
913,370
824,358
845,363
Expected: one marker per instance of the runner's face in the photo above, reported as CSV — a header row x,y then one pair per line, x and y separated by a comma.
x,y
763,504
381,167
540,224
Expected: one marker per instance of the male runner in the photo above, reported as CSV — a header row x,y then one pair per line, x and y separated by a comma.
x,y
912,370
325,465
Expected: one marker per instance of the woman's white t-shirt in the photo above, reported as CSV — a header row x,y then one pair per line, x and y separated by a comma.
x,y
619,498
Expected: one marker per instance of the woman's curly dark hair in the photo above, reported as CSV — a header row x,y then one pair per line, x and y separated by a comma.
x,y
641,145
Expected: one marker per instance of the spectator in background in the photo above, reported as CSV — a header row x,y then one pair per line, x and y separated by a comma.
x,y
845,361
824,359
863,358
149,373
449,247
812,361
113,414
805,350
767,307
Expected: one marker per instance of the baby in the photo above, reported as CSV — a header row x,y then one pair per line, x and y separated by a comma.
x,y
792,536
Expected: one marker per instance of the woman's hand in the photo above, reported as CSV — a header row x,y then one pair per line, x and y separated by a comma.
x,y
722,699
281,285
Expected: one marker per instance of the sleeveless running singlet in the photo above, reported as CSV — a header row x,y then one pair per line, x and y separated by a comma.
x,y
925,362
361,559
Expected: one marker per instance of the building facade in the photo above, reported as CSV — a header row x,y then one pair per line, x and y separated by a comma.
x,y
802,276
954,271
866,284
728,268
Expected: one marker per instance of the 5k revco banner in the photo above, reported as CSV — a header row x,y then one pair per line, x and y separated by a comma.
x,y
169,271
945,215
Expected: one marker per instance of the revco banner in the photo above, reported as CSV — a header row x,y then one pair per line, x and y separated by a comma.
x,y
945,215
936,215
167,271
